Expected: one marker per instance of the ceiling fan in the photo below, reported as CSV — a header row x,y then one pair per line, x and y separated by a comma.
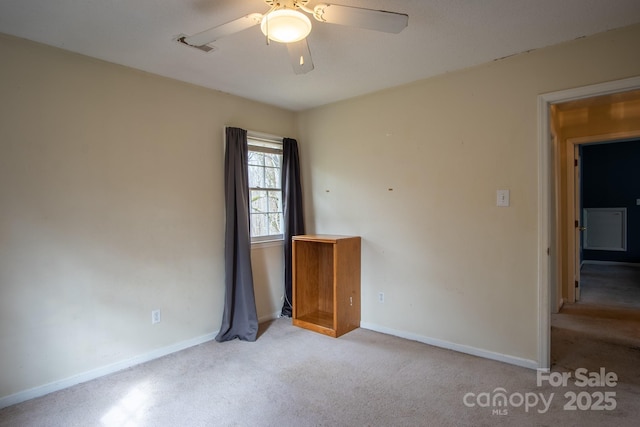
x,y
285,23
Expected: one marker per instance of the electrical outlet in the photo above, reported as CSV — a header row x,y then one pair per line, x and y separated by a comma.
x,y
380,296
155,316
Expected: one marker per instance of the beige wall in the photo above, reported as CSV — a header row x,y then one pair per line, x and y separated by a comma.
x,y
267,263
414,171
111,205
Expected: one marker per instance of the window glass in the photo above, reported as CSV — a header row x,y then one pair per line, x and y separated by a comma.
x,y
265,192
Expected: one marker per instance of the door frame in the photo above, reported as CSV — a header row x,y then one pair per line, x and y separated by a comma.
x,y
547,208
576,216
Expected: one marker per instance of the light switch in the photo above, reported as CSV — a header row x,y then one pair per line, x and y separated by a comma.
x,y
638,202
503,198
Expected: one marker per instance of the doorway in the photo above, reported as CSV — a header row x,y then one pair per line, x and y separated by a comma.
x,y
608,209
606,312
577,124
556,251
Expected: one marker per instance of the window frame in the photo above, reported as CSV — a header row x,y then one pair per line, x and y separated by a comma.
x,y
259,142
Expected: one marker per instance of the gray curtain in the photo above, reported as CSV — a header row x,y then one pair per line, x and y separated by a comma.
x,y
292,209
240,318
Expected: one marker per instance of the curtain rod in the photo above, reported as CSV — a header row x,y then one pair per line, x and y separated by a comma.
x,y
267,137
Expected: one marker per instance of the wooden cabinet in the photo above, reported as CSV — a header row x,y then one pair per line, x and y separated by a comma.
x,y
326,283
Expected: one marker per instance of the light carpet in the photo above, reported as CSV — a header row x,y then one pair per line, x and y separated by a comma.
x,y
294,377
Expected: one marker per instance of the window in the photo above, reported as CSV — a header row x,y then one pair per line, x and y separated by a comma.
x,y
265,188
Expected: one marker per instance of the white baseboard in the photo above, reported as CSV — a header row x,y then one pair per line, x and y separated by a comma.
x,y
155,354
114,367
512,360
626,264
102,371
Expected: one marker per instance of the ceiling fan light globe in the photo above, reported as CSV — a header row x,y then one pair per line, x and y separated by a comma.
x,y
285,26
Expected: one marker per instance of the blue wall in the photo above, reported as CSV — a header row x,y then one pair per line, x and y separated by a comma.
x,y
611,179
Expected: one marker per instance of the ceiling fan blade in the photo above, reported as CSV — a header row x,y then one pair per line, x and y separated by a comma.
x,y
378,20
300,56
223,30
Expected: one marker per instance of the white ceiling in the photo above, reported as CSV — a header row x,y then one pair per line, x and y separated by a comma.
x,y
443,35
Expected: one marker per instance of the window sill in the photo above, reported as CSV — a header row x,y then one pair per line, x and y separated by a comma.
x,y
266,244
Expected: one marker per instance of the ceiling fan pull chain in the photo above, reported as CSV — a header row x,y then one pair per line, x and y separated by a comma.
x,y
274,5
267,33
